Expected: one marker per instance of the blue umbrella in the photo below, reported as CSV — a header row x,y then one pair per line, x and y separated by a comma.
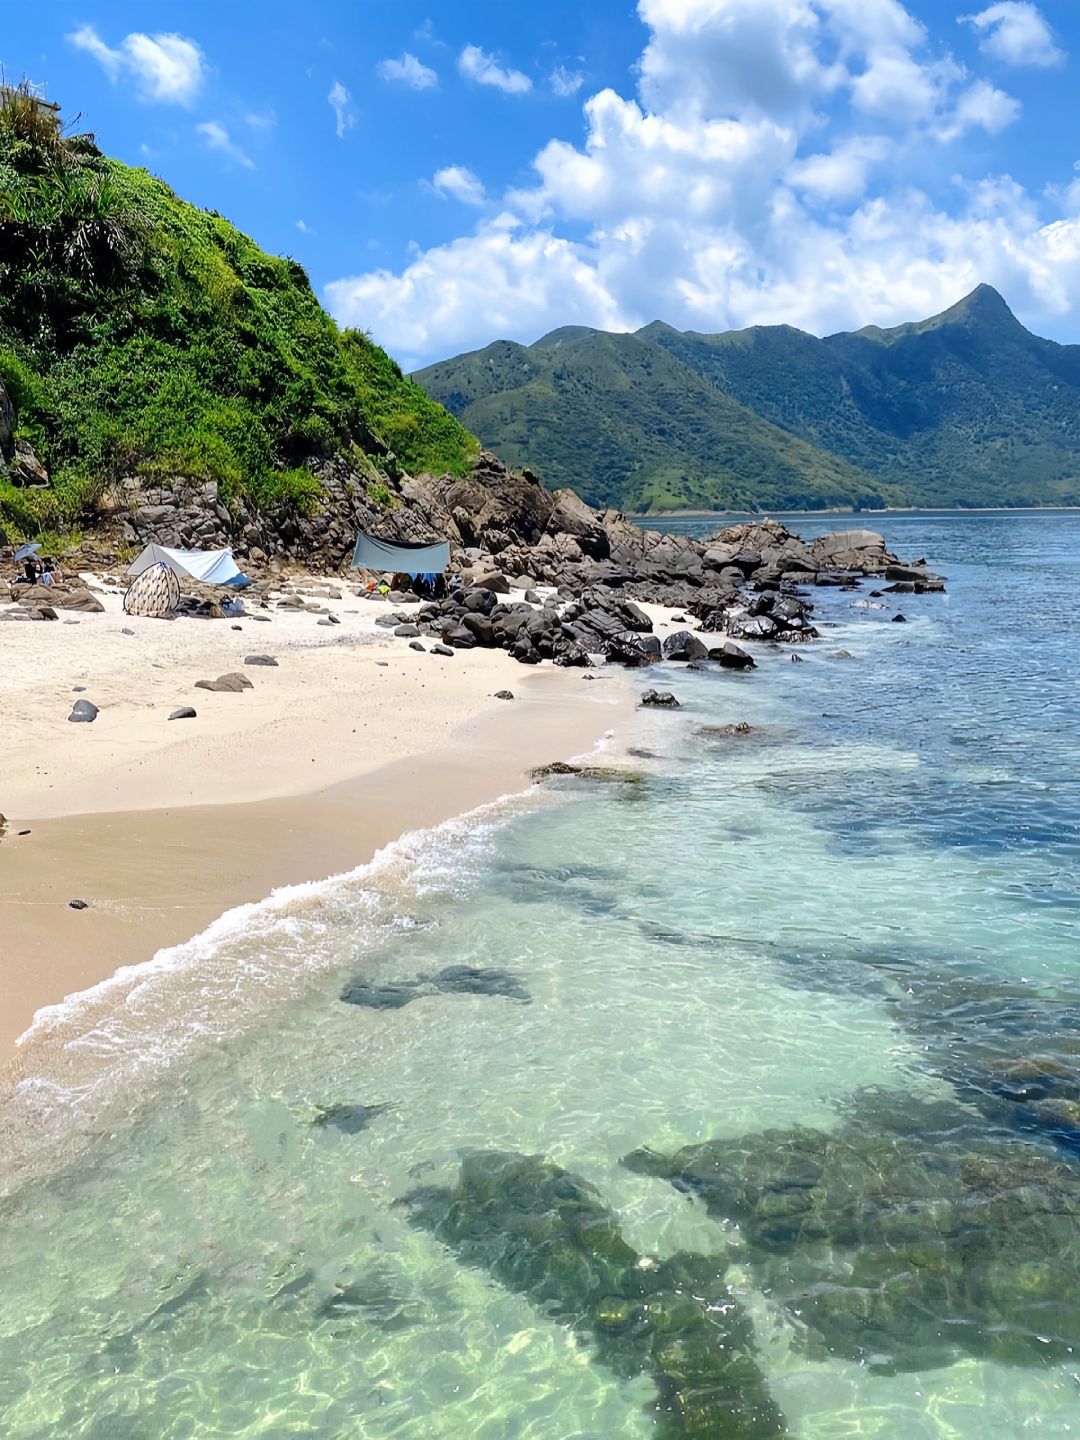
x,y
26,550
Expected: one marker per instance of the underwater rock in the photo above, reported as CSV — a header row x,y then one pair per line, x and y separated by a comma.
x,y
453,980
380,997
602,773
349,1119
545,1233
904,1239
467,980
373,1298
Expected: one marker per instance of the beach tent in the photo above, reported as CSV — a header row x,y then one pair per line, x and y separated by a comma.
x,y
155,591
401,557
212,567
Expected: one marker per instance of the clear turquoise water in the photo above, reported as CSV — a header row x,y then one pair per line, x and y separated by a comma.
x,y
730,949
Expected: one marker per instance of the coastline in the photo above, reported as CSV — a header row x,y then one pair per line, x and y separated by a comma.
x,y
163,828
637,516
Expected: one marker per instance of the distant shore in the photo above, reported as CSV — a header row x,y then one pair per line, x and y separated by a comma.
x,y
654,516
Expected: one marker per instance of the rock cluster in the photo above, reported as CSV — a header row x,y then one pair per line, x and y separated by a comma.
x,y
545,1233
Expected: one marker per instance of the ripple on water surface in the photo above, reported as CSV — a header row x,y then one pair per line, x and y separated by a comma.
x,y
842,948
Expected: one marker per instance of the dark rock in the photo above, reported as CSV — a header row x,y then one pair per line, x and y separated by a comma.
x,y
416,645
682,645
126,631
83,713
441,650
480,628
899,619
659,700
546,1234
732,656
78,905
184,713
406,632
233,682
349,1119
503,695
259,660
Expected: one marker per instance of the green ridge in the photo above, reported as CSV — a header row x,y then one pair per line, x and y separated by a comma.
x,y
622,421
142,336
967,408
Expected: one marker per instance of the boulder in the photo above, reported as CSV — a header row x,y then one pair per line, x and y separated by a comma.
x,y
7,425
259,660
83,713
682,645
659,700
732,656
407,631
233,682
862,550
184,713
441,650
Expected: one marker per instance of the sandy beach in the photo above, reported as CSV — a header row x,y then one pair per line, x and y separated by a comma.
x,y
350,741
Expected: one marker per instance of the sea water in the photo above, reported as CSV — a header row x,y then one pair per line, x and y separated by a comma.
x,y
763,933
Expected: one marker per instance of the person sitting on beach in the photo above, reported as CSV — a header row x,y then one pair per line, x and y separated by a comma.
x,y
47,573
31,569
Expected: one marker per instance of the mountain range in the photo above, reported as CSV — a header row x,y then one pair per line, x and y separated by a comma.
x,y
965,409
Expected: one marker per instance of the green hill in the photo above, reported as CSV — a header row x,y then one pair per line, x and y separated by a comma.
x,y
142,336
966,408
622,421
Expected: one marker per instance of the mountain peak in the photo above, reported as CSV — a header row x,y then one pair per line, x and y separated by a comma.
x,y
983,308
984,303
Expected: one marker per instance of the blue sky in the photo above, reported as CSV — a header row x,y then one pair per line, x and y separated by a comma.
x,y
453,173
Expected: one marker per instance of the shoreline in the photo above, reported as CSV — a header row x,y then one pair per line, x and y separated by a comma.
x,y
353,742
160,877
636,515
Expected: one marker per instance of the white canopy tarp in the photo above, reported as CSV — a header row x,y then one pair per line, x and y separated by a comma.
x,y
212,567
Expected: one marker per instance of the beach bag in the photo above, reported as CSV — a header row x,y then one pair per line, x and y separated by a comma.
x,y
156,592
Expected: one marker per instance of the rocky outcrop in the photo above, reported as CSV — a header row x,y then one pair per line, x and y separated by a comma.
x,y
18,463
7,425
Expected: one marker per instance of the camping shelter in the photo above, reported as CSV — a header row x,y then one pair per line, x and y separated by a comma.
x,y
212,567
401,557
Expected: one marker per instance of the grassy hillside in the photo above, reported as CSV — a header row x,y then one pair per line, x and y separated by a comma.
x,y
140,335
966,408
623,422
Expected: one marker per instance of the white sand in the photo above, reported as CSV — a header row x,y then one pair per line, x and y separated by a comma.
x,y
342,700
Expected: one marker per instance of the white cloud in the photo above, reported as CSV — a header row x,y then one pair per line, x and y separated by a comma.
x,y
841,173
981,106
476,64
460,183
304,227
1016,32
267,120
408,71
165,67
566,83
219,139
781,161
339,101
468,292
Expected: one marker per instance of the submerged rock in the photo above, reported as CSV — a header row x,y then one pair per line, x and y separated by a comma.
x,y
904,1239
350,1119
545,1233
659,700
453,980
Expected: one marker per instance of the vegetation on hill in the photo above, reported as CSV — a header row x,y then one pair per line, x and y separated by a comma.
x,y
967,408
622,422
142,336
